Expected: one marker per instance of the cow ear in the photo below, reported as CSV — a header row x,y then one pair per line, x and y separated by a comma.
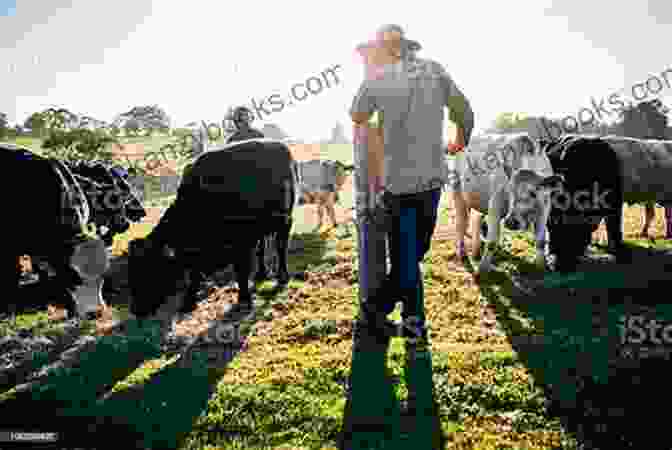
x,y
552,181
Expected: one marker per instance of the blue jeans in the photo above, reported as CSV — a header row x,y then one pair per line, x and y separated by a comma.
x,y
413,220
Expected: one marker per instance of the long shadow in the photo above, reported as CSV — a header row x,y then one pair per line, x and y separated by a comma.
x,y
75,400
578,356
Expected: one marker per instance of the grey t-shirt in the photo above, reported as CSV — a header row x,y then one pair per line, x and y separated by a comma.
x,y
412,95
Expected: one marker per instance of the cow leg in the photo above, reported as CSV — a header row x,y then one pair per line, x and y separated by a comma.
x,y
243,268
541,235
262,272
197,278
282,246
461,221
495,214
615,235
64,283
331,201
475,233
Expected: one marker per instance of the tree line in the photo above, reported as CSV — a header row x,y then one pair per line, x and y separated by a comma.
x,y
645,120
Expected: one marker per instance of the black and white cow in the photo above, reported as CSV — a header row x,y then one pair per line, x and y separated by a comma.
x,y
229,199
48,218
114,204
592,190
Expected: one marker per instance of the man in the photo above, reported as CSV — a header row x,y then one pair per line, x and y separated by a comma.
x,y
242,118
320,183
411,93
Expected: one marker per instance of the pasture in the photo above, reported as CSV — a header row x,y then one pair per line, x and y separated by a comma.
x,y
520,362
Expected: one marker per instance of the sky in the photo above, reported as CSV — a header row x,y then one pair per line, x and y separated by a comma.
x,y
197,58
7,7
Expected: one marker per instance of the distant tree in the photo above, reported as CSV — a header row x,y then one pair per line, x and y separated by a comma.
x,y
510,122
37,123
4,126
132,127
150,117
60,119
78,144
646,120
113,130
91,123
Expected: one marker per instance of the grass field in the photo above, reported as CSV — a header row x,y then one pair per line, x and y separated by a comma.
x,y
512,370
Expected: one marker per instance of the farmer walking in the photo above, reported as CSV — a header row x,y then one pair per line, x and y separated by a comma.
x,y
410,94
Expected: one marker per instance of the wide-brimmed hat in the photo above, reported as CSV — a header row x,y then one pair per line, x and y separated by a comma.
x,y
393,28
411,45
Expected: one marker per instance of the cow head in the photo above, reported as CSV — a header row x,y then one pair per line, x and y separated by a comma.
x,y
529,198
530,180
112,199
156,275
90,260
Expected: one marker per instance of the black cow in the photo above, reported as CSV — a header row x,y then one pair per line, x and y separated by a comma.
x,y
114,204
47,219
592,190
227,202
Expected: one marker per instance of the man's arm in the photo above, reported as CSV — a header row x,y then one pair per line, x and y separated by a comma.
x,y
363,106
460,108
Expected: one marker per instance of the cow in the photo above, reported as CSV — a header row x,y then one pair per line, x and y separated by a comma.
x,y
49,220
112,200
591,169
319,182
514,187
229,199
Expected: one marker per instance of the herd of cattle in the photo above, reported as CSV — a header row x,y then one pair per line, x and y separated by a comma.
x,y
562,188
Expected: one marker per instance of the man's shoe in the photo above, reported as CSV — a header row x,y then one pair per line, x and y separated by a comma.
x,y
415,332
388,296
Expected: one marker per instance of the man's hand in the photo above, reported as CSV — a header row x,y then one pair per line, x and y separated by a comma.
x,y
458,145
454,149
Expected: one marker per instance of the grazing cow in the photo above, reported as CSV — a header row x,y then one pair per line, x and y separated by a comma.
x,y
320,182
639,167
509,178
112,200
48,220
229,199
592,189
